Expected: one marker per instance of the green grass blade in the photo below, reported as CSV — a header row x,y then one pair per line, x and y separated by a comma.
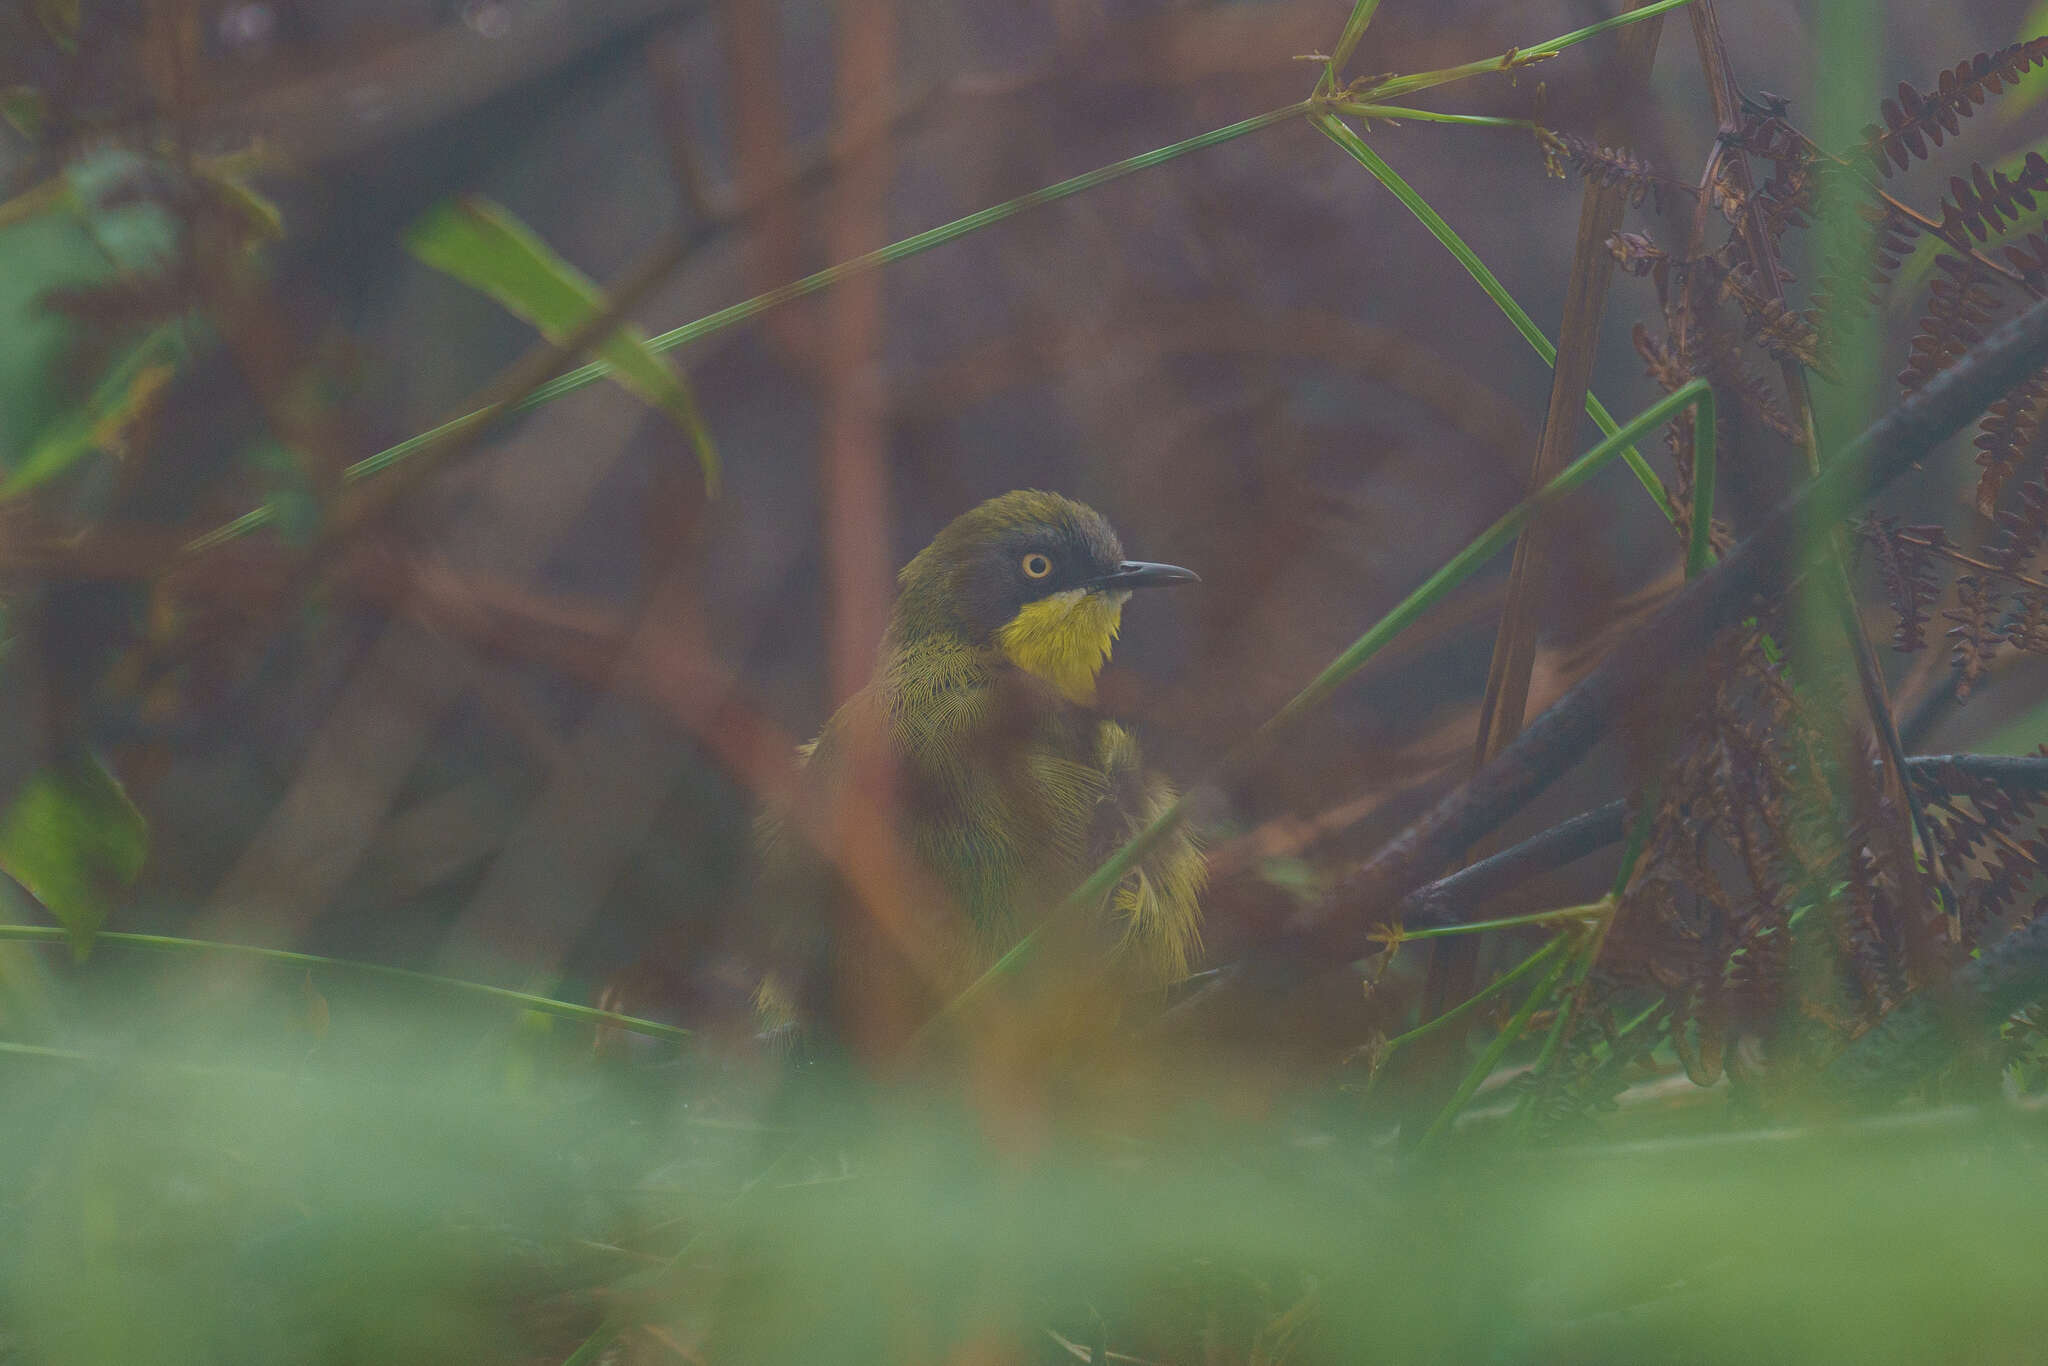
x,y
1484,547
586,375
546,1005
1514,58
1478,998
1490,1059
1395,113
1590,910
925,241
1347,42
1340,133
73,840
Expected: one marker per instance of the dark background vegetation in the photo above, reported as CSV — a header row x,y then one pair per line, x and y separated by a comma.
x,y
500,731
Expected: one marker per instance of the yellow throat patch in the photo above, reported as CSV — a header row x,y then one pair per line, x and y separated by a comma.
x,y
1064,638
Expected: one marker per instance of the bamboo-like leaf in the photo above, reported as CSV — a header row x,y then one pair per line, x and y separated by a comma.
x,y
486,247
121,399
74,841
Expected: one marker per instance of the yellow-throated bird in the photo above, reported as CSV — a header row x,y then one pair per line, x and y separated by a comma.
x,y
1005,787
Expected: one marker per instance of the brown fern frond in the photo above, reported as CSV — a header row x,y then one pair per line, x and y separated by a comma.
x,y
1905,566
1989,202
2006,437
1917,118
1870,259
1755,395
2021,528
1641,257
1614,167
2028,629
2030,259
1893,240
1784,332
1660,360
1960,307
1728,194
1975,632
1990,837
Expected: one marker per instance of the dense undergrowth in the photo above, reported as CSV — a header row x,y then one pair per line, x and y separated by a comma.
x,y
1775,1095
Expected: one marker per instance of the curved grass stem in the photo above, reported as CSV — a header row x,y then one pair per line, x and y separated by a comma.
x,y
1341,133
1515,58
586,375
1480,997
1490,1059
164,943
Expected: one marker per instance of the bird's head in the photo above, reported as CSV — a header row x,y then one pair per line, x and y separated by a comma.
x,y
1039,577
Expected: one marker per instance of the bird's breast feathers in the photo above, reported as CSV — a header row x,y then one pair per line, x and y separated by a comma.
x,y
1065,638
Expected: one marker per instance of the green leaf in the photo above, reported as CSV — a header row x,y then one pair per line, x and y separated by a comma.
x,y
60,19
484,246
25,110
74,841
120,400
260,216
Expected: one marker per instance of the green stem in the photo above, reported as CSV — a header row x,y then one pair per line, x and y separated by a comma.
x,y
1489,543
1340,133
1511,922
172,944
1638,837
586,375
1347,42
1581,960
1479,998
1514,58
1699,549
1398,112
1491,1057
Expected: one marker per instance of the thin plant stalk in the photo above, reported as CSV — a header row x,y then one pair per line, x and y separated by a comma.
x,y
1362,12
1514,58
1696,394
586,375
1341,133
1591,910
546,1005
1347,43
1489,1059
1480,997
1699,548
1398,113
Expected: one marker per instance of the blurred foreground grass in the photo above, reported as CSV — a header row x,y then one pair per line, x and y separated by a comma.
x,y
415,1185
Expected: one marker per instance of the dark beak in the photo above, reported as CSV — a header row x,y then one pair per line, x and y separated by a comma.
x,y
1144,574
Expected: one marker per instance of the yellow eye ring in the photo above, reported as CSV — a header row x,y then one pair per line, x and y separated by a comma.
x,y
1036,566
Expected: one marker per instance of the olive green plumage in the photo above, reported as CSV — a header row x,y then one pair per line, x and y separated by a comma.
x,y
1009,788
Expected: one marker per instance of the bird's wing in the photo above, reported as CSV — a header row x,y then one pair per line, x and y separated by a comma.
x,y
1157,907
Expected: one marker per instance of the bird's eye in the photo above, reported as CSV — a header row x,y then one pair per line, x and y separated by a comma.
x,y
1037,566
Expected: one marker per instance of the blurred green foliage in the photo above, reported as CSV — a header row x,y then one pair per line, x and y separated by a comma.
x,y
381,1192
484,246
73,839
